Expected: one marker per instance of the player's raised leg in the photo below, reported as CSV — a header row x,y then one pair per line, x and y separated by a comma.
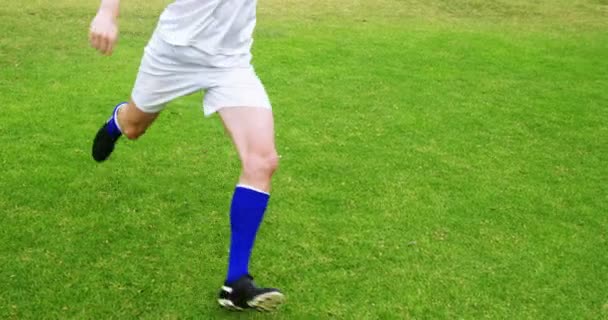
x,y
252,132
128,120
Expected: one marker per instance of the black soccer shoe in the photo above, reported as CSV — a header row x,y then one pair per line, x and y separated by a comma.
x,y
103,144
244,294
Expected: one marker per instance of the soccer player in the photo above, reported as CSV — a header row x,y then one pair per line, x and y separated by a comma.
x,y
205,45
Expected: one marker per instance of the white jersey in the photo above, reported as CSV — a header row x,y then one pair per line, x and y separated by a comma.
x,y
215,27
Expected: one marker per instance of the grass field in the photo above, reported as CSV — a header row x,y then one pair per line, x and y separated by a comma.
x,y
440,160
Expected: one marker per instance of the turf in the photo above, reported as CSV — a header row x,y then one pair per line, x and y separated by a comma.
x,y
440,160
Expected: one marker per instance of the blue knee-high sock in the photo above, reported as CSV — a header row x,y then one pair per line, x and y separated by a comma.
x,y
246,214
113,128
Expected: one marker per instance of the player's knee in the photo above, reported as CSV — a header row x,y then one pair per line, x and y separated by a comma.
x,y
273,162
261,164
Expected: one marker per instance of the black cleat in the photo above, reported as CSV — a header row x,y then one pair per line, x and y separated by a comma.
x,y
244,294
103,144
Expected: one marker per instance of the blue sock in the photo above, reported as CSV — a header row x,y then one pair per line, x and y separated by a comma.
x,y
113,128
246,214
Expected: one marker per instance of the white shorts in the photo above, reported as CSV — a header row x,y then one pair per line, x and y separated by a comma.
x,y
168,72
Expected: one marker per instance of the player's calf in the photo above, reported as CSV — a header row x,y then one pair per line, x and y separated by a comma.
x,y
134,122
133,131
126,120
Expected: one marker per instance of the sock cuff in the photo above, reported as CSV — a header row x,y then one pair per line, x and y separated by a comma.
x,y
115,115
248,187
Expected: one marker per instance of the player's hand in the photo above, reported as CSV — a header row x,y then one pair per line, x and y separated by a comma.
x,y
104,32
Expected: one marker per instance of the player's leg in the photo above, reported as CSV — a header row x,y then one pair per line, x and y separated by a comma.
x,y
128,120
162,77
133,121
252,132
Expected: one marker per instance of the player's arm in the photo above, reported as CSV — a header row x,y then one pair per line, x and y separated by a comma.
x,y
104,27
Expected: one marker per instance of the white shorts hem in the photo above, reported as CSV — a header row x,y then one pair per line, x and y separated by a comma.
x,y
210,110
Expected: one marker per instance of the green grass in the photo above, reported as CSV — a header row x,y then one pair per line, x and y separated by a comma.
x,y
440,160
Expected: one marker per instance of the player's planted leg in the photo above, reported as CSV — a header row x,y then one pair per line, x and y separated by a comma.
x,y
126,120
252,132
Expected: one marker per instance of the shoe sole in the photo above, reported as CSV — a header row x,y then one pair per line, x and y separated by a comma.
x,y
265,302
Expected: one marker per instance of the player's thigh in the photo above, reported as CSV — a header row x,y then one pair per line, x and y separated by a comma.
x,y
162,77
243,105
251,130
